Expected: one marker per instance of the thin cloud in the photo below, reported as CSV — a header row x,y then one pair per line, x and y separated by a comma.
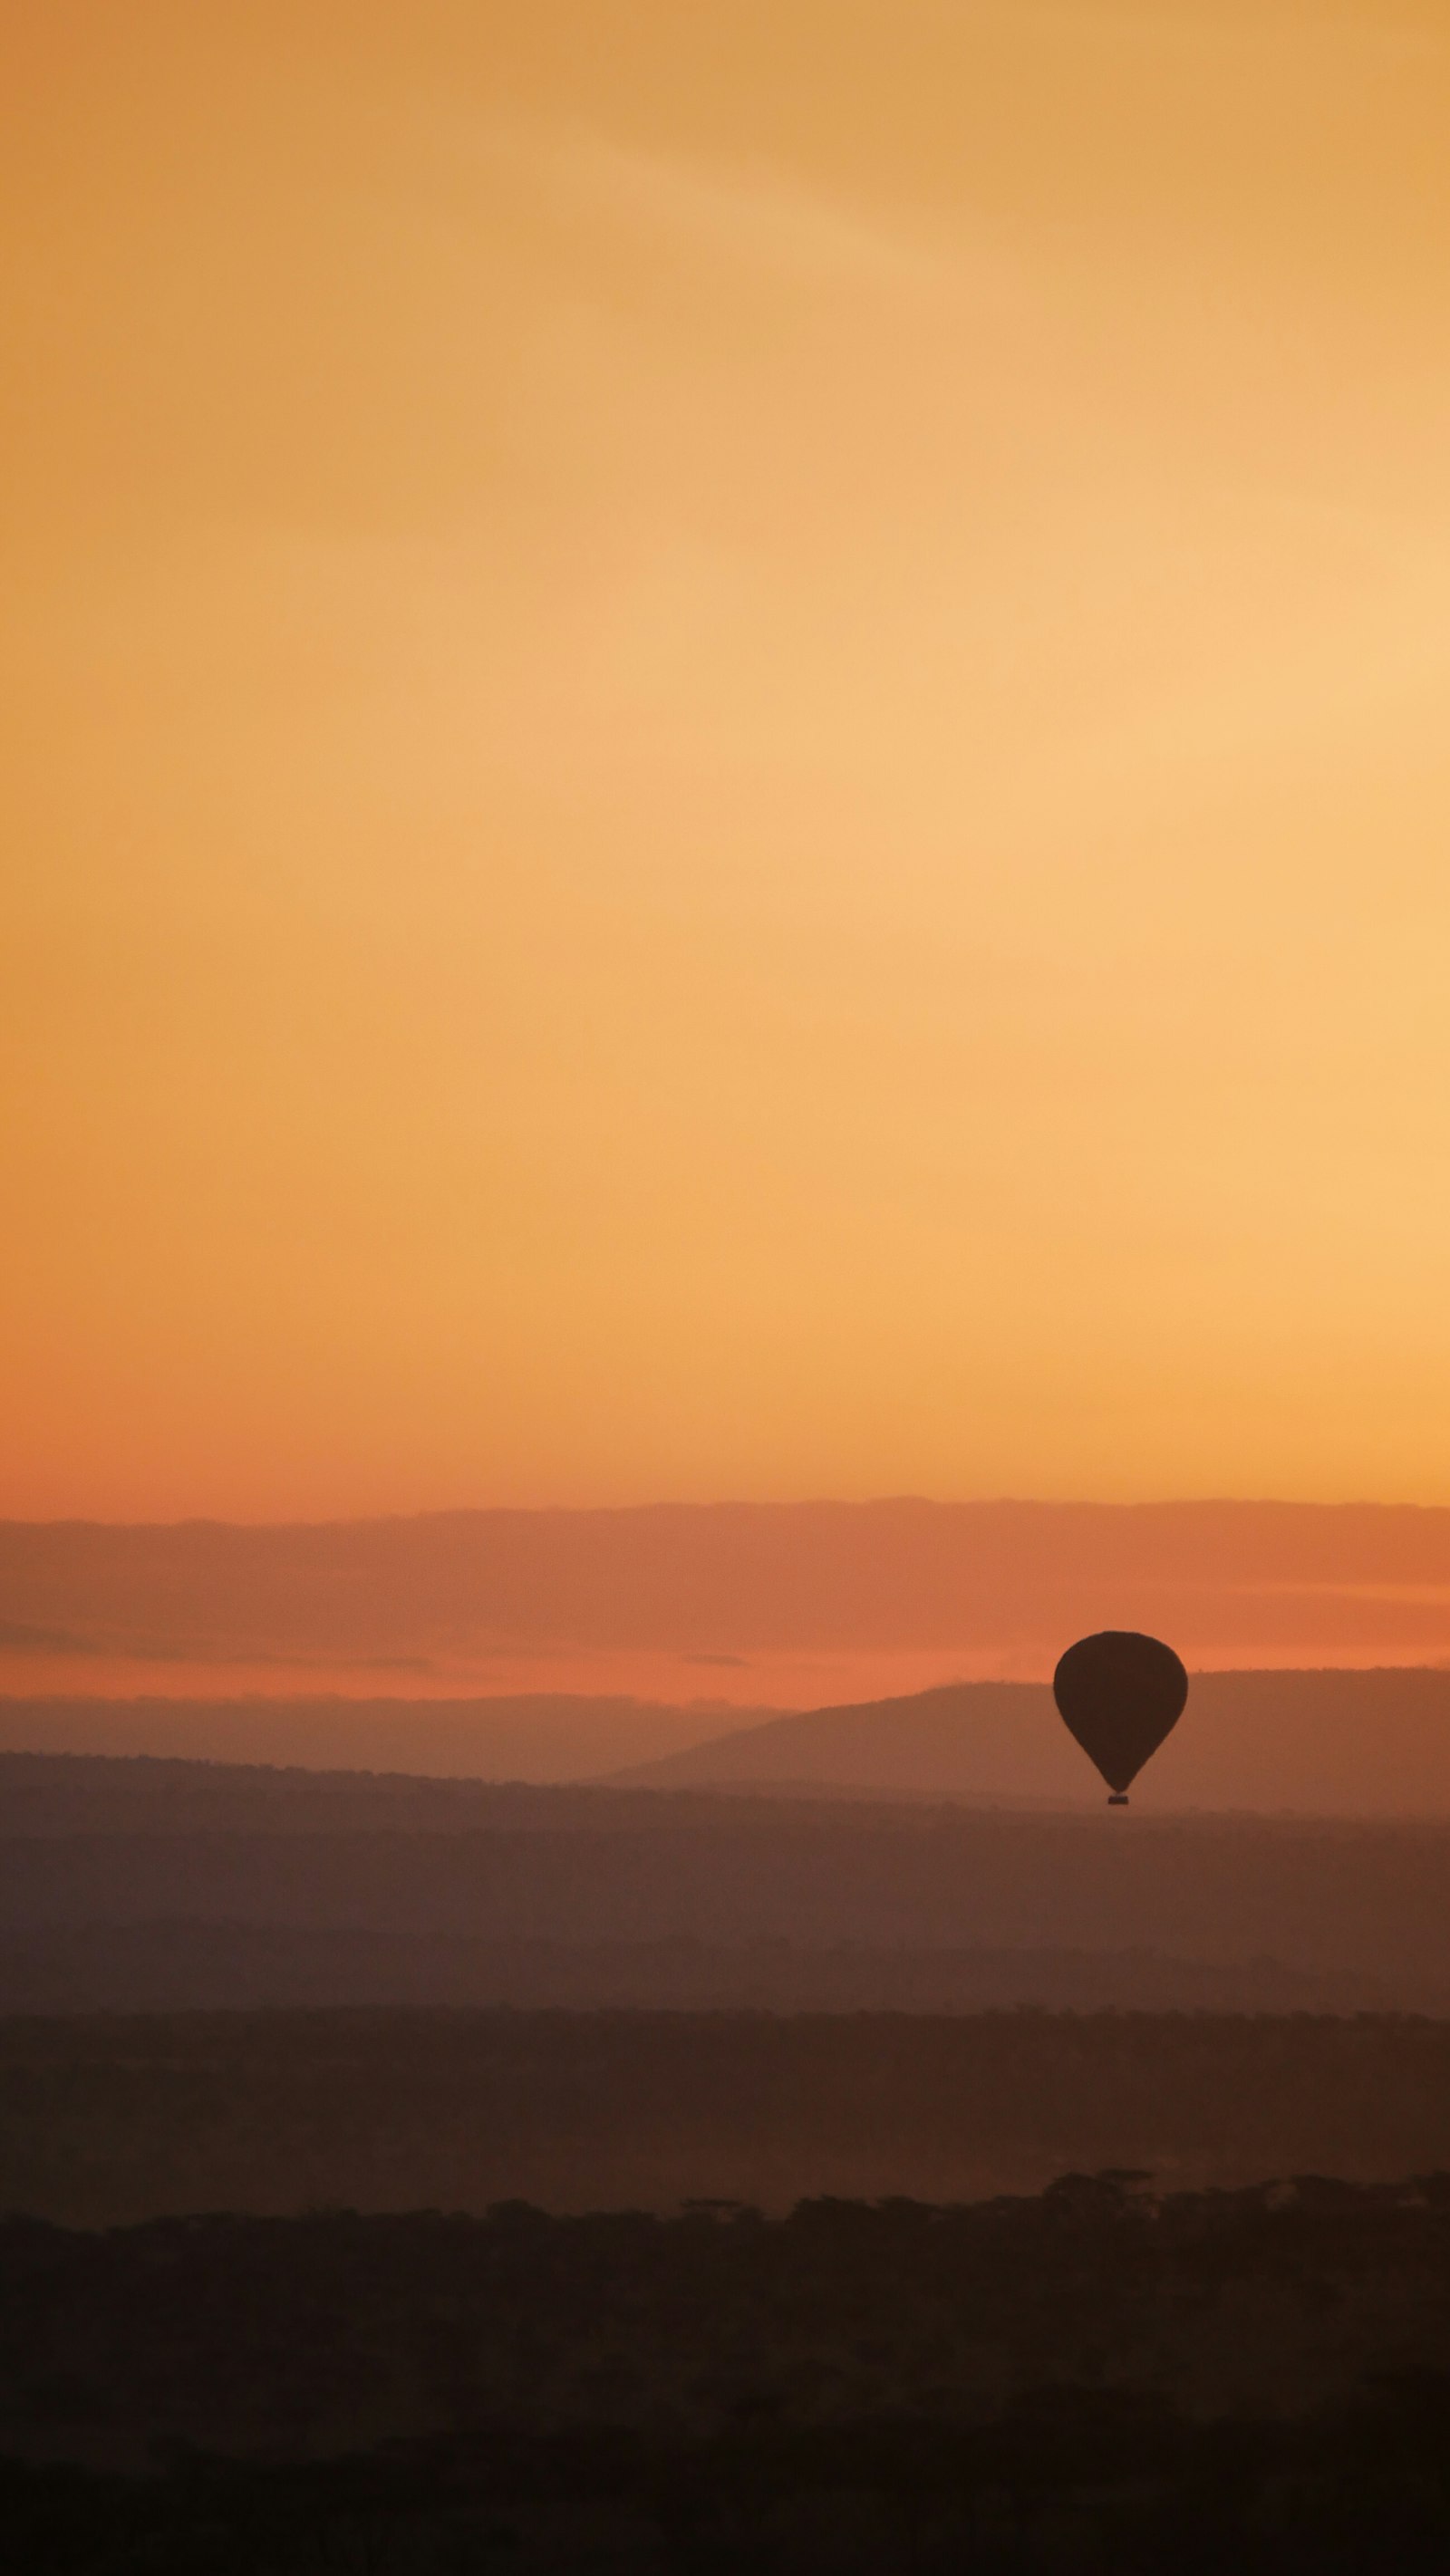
x,y
16,1638
760,218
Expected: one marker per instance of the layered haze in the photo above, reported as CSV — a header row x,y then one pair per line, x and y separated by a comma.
x,y
732,1605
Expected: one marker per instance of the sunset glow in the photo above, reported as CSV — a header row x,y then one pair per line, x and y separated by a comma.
x,y
727,758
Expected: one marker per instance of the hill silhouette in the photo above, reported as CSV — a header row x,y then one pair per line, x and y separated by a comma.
x,y
1343,1743
1373,1743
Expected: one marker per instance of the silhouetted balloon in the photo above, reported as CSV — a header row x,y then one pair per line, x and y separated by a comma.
x,y
1119,1694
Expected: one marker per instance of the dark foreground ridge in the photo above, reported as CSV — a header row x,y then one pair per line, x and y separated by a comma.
x,y
1096,2379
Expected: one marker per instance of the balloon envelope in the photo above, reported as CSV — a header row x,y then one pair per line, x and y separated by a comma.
x,y
1119,1694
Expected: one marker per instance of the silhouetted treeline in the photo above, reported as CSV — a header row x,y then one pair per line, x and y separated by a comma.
x,y
110,2118
307,2334
1094,2380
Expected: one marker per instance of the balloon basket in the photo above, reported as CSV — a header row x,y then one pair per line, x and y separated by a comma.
x,y
1119,1798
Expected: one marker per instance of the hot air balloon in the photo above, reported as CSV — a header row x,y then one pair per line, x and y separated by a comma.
x,y
1119,1694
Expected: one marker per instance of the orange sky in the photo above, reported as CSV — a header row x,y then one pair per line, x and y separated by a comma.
x,y
727,767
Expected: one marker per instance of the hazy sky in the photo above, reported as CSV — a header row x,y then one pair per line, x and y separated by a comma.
x,y
728,766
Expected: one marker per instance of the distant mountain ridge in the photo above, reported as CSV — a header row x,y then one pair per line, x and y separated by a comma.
x,y
1327,1743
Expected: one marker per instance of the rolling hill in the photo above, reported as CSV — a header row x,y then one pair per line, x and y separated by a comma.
x,y
135,1885
1371,1743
